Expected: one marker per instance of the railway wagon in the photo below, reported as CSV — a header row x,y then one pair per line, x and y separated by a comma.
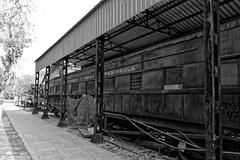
x,y
163,85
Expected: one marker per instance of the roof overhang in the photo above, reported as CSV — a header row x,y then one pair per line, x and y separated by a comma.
x,y
106,15
139,24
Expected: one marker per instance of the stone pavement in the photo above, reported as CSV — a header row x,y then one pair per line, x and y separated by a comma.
x,y
11,145
47,142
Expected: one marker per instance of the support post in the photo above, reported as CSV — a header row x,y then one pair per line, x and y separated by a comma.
x,y
99,86
213,109
63,116
46,88
35,110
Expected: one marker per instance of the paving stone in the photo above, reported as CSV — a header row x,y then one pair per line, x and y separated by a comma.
x,y
11,145
47,142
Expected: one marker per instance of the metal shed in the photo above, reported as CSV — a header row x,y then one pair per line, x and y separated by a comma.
x,y
102,18
138,24
119,27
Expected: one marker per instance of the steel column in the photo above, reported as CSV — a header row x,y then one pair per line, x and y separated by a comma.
x,y
35,110
213,117
99,86
63,111
46,88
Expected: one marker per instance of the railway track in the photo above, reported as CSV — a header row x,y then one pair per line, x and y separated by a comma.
x,y
180,145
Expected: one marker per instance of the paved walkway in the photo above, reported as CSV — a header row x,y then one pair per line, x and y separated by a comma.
x,y
11,145
47,142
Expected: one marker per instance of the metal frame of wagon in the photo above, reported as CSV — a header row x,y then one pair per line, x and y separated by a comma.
x,y
114,28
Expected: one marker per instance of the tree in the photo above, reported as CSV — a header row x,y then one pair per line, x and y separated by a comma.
x,y
20,87
9,89
15,29
23,85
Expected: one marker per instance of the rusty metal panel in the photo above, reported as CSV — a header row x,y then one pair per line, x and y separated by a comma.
x,y
152,79
102,18
122,82
173,107
90,87
136,106
230,40
72,80
147,104
173,76
122,70
229,74
153,105
82,87
118,103
109,83
72,76
109,102
124,61
125,103
174,60
194,46
231,110
111,64
87,75
194,107
193,75
136,81
173,55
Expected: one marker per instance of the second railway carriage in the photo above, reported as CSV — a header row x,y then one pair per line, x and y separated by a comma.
x,y
163,85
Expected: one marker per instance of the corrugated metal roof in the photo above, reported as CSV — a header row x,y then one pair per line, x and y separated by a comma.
x,y
102,18
167,20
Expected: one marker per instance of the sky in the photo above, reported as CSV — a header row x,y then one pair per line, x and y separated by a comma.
x,y
51,20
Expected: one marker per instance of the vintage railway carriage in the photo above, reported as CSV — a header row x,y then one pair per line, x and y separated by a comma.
x,y
163,85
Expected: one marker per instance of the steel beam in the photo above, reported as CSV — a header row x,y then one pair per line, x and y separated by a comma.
x,y
35,110
168,6
63,116
213,110
142,22
46,88
120,48
165,26
147,26
171,4
99,86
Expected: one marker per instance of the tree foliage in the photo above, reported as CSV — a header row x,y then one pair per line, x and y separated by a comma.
x,y
19,86
9,89
15,29
23,85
